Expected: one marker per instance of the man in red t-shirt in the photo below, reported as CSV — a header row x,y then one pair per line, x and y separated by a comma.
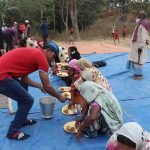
x,y
18,64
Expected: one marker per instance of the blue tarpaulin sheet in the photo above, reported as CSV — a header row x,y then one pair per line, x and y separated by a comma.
x,y
133,95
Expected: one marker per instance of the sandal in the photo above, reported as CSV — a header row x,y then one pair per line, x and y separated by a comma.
x,y
29,122
18,136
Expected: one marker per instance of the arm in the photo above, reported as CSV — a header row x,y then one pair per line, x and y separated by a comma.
x,y
30,82
72,99
48,87
83,115
89,120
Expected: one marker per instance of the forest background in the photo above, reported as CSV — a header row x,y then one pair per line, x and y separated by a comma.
x,y
91,19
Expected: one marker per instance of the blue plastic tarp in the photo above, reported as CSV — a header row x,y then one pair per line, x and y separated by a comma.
x,y
134,97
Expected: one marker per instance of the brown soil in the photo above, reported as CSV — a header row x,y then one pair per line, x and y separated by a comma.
x,y
100,46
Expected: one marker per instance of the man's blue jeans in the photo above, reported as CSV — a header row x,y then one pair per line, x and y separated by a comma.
x,y
14,90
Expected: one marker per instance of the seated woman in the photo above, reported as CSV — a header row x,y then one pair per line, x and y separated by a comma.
x,y
104,113
130,136
90,73
73,53
74,73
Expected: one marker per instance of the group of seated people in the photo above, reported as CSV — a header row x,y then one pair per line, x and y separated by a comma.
x,y
101,111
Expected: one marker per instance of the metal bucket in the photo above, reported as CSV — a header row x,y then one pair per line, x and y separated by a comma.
x,y
47,105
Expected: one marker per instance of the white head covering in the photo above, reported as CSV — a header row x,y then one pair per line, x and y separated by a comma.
x,y
134,132
90,90
84,63
26,21
89,74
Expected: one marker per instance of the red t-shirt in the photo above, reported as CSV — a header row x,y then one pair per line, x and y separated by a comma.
x,y
22,61
116,35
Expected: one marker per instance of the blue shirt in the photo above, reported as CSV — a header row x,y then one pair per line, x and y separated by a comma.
x,y
44,29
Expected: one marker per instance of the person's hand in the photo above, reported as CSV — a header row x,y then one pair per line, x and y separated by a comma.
x,y
71,105
139,50
78,123
79,134
147,42
62,99
43,90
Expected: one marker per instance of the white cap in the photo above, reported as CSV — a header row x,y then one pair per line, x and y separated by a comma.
x,y
26,21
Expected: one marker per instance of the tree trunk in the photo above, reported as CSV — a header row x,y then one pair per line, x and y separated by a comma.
x,y
41,7
65,19
54,17
73,13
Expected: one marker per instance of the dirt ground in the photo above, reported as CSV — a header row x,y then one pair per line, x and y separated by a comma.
x,y
100,46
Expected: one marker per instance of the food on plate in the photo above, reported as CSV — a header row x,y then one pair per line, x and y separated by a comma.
x,y
67,95
70,127
64,89
69,111
65,111
62,74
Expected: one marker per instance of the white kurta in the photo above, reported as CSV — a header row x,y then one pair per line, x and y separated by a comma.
x,y
142,36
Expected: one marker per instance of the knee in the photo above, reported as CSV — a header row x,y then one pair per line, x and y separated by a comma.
x,y
29,101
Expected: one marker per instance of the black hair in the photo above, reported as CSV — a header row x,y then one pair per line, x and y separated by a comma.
x,y
124,140
23,42
44,19
74,53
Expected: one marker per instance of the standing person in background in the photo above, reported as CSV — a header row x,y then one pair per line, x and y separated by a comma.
x,y
22,29
124,32
10,34
137,55
116,36
1,42
44,30
113,31
28,29
71,38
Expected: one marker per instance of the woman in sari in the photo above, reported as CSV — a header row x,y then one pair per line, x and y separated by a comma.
x,y
131,136
104,113
74,73
90,73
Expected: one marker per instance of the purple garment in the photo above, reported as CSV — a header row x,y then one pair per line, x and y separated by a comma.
x,y
11,32
145,24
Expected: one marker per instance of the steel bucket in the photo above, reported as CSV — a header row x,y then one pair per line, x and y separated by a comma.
x,y
47,105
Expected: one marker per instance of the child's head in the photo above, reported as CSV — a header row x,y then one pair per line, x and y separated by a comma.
x,y
73,53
